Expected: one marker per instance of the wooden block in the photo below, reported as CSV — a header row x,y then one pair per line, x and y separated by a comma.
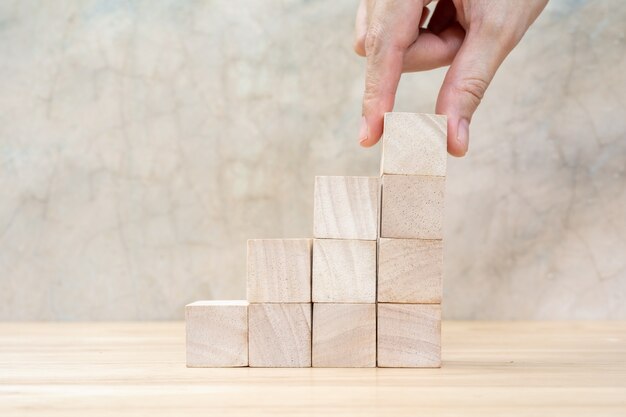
x,y
279,270
414,144
409,335
344,271
280,335
346,208
410,271
344,335
412,207
217,333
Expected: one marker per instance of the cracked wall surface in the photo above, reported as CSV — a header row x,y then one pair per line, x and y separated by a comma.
x,y
142,143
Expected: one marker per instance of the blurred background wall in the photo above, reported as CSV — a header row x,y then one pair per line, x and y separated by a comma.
x,y
142,143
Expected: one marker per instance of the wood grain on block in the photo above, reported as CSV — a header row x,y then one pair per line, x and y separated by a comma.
x,y
279,270
280,335
344,271
410,270
217,333
414,144
346,208
409,335
412,207
344,335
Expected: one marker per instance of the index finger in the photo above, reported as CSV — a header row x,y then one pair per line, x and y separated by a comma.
x,y
393,27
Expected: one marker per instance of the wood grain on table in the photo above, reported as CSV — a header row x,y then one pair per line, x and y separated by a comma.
x,y
489,369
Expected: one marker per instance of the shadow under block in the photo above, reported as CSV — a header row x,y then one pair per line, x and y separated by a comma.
x,y
217,333
344,335
410,271
346,208
412,207
344,271
280,335
409,335
279,271
414,144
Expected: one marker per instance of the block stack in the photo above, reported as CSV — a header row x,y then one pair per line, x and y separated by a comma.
x,y
365,291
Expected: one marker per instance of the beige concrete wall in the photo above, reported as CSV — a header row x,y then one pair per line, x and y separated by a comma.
x,y
142,143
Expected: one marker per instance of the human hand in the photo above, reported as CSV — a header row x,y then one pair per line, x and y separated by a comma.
x,y
472,36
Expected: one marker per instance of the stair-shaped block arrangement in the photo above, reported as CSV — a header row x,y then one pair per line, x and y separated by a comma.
x,y
365,291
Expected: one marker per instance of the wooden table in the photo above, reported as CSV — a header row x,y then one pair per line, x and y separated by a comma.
x,y
490,369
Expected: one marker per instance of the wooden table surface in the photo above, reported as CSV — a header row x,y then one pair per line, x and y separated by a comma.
x,y
490,369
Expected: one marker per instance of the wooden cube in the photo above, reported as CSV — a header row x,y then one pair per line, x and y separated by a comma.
x,y
412,207
409,335
410,271
414,144
344,335
279,270
344,271
280,335
346,208
217,333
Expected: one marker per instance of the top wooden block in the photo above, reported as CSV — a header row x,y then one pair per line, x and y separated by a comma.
x,y
414,144
346,208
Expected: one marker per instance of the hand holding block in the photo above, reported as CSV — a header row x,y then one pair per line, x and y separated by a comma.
x,y
412,207
346,208
217,333
344,335
279,270
280,335
410,271
409,335
414,144
344,271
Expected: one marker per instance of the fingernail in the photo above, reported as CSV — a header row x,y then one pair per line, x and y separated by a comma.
x,y
462,134
363,130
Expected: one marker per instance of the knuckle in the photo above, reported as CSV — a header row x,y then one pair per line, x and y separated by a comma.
x,y
474,87
373,40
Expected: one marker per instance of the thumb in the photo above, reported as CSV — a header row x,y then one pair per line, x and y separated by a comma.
x,y
465,84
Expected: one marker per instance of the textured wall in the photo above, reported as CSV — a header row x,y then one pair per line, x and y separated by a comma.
x,y
142,143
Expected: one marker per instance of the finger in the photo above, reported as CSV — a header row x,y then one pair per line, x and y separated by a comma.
x,y
369,6
431,51
360,28
393,28
465,84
